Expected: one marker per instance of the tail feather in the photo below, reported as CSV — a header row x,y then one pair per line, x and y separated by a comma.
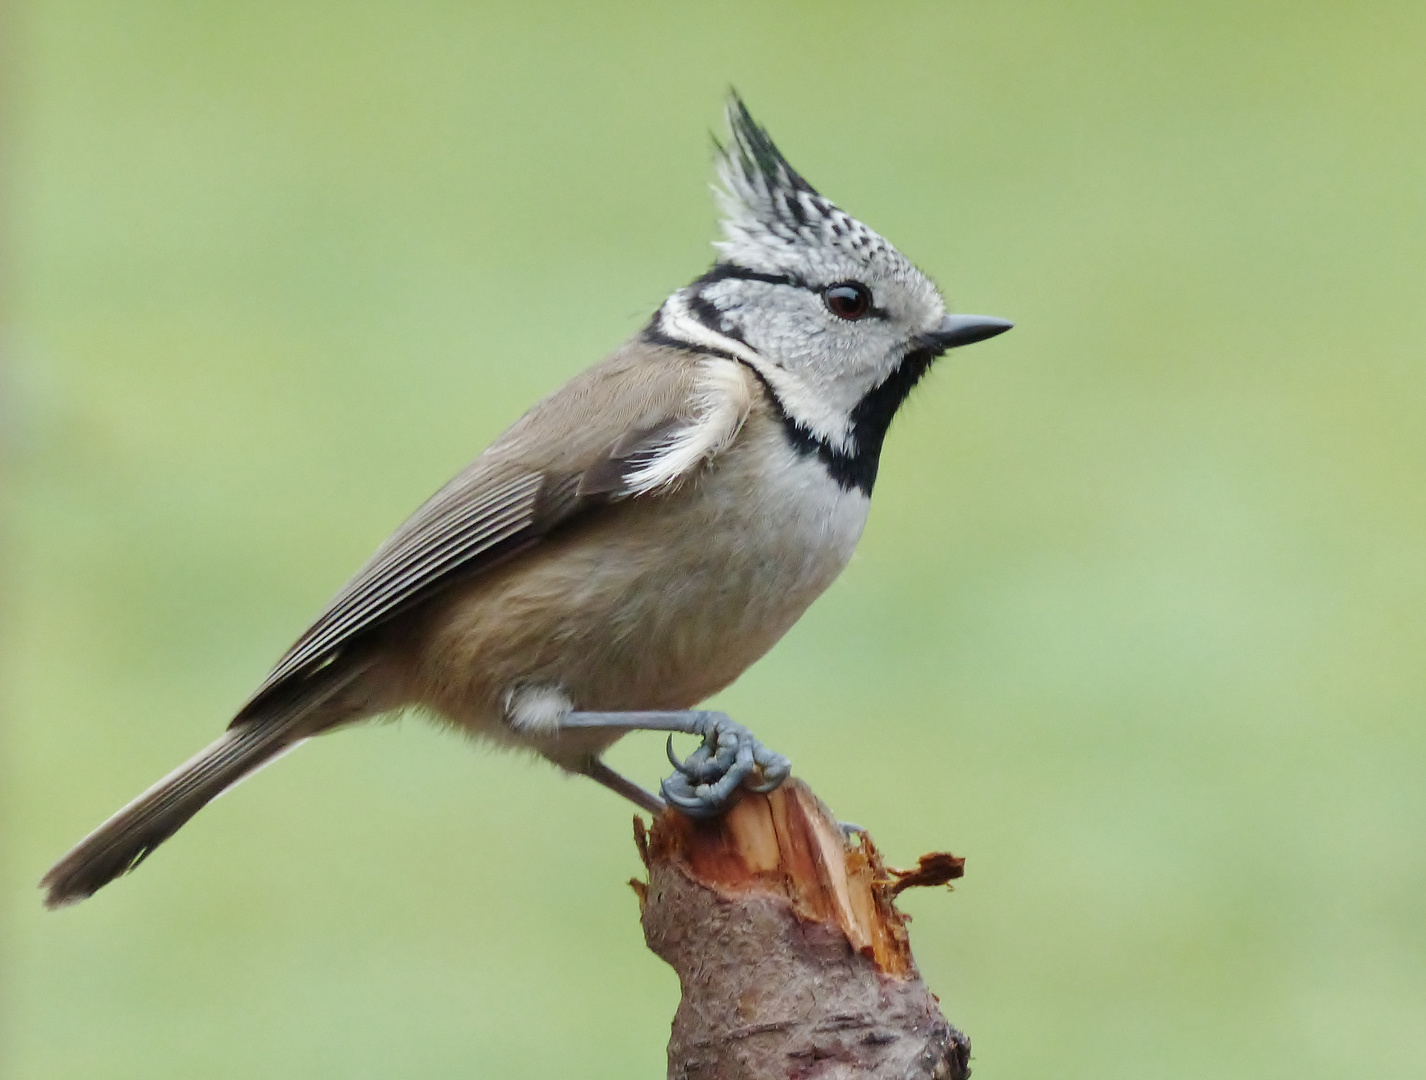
x,y
131,835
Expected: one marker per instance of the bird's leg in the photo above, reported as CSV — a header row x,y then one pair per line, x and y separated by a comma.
x,y
706,783
601,773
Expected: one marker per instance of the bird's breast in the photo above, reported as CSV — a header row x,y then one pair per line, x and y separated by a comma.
x,y
658,603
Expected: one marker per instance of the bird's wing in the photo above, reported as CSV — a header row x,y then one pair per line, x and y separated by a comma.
x,y
634,426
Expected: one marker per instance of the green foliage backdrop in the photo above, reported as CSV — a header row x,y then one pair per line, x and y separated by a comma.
x,y
1137,625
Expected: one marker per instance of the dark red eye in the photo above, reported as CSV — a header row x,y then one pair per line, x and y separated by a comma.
x,y
850,300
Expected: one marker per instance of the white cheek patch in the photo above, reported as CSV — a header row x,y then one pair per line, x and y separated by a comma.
x,y
721,401
679,323
811,410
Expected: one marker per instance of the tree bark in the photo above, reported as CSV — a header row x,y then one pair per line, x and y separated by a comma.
x,y
793,959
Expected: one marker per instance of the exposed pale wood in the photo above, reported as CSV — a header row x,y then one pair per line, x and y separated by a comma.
x,y
792,956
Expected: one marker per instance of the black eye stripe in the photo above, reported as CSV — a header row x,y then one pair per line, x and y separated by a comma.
x,y
729,272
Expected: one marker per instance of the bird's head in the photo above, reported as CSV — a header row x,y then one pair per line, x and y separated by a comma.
x,y
835,320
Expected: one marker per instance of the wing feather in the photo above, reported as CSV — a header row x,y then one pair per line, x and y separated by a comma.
x,y
634,426
457,526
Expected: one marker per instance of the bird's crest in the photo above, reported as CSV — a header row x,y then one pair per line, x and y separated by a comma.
x,y
771,214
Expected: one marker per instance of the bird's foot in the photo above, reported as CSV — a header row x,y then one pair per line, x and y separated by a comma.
x,y
707,781
851,830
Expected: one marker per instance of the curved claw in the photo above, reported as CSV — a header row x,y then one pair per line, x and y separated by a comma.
x,y
701,765
770,784
708,780
693,804
722,793
672,757
775,770
716,758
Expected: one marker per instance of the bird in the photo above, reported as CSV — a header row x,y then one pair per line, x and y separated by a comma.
x,y
635,541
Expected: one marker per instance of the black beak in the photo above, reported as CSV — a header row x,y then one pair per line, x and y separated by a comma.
x,y
958,330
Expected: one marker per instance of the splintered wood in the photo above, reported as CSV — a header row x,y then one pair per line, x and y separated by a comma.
x,y
792,956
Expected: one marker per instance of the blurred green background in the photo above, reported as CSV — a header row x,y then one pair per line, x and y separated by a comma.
x,y
1137,625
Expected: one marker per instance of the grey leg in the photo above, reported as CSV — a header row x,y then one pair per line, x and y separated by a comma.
x,y
621,785
707,782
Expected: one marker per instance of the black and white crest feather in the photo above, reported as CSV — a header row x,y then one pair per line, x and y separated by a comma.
x,y
771,214
757,158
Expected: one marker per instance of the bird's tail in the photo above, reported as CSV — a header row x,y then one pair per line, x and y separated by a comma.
x,y
127,838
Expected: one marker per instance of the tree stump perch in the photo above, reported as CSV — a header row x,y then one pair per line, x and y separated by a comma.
x,y
792,957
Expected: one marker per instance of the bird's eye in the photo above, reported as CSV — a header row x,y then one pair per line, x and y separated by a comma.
x,y
850,300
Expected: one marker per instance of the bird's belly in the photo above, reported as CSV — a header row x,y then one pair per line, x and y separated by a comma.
x,y
658,605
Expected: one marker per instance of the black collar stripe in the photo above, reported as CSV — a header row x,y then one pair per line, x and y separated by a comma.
x,y
853,469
